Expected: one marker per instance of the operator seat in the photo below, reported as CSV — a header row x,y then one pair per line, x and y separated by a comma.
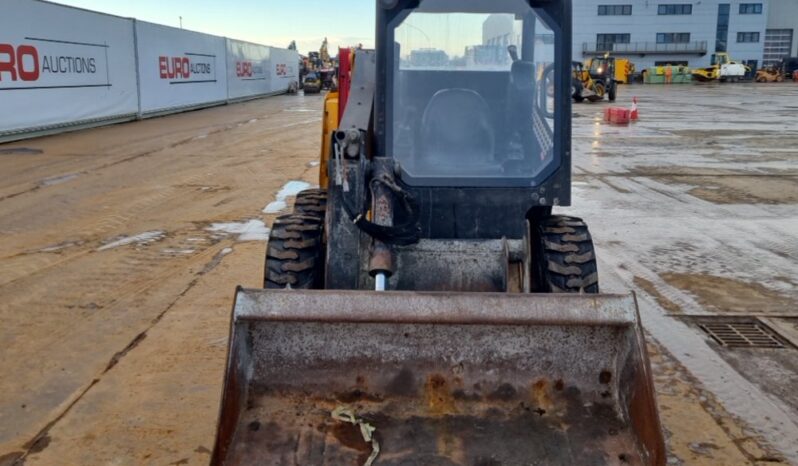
x,y
456,132
521,108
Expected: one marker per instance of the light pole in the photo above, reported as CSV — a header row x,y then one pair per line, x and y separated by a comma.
x,y
181,22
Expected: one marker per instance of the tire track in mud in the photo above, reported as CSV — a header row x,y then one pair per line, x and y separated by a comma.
x,y
106,225
181,142
42,439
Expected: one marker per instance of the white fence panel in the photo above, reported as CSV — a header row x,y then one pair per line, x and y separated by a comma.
x,y
247,69
63,66
284,69
179,68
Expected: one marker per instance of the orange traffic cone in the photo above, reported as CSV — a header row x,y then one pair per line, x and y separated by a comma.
x,y
634,114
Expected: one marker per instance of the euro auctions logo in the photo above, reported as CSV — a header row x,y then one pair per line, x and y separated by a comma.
x,y
284,71
191,68
249,71
244,69
19,63
52,64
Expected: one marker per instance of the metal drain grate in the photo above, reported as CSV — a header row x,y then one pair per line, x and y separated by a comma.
x,y
742,334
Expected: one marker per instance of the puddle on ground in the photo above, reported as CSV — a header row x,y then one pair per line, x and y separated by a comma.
x,y
727,295
54,180
141,239
59,247
251,230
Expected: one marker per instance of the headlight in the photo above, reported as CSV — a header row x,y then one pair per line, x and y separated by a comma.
x,y
601,70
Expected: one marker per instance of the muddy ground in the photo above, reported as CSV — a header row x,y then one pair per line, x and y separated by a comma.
x,y
122,247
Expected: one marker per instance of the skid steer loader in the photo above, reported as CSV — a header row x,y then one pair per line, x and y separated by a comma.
x,y
425,306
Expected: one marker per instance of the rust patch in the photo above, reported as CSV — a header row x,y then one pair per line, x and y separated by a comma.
x,y
357,394
652,290
349,435
730,295
438,396
541,395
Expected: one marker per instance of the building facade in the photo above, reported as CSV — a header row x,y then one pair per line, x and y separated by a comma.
x,y
680,32
781,37
658,32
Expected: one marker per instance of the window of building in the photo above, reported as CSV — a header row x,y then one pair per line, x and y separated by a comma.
x,y
673,37
778,44
604,42
750,8
747,37
675,9
614,10
722,33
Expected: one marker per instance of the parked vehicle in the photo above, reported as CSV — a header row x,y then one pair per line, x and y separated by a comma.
x,y
723,69
312,83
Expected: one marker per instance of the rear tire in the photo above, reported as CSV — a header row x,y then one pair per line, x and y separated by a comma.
x,y
311,202
295,253
564,256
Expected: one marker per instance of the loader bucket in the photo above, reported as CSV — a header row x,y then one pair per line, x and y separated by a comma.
x,y
406,378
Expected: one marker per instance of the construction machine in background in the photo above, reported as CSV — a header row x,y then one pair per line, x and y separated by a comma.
x,y
778,72
605,70
312,83
723,69
323,66
583,86
770,74
426,305
790,67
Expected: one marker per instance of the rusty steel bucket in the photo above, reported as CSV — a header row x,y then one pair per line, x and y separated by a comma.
x,y
436,379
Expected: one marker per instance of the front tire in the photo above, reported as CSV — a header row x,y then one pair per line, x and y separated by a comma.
x,y
600,89
563,255
312,202
295,253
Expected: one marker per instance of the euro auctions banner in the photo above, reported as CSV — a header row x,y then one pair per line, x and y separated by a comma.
x,y
61,65
284,69
247,69
179,68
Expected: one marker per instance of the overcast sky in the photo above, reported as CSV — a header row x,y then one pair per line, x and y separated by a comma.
x,y
269,22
